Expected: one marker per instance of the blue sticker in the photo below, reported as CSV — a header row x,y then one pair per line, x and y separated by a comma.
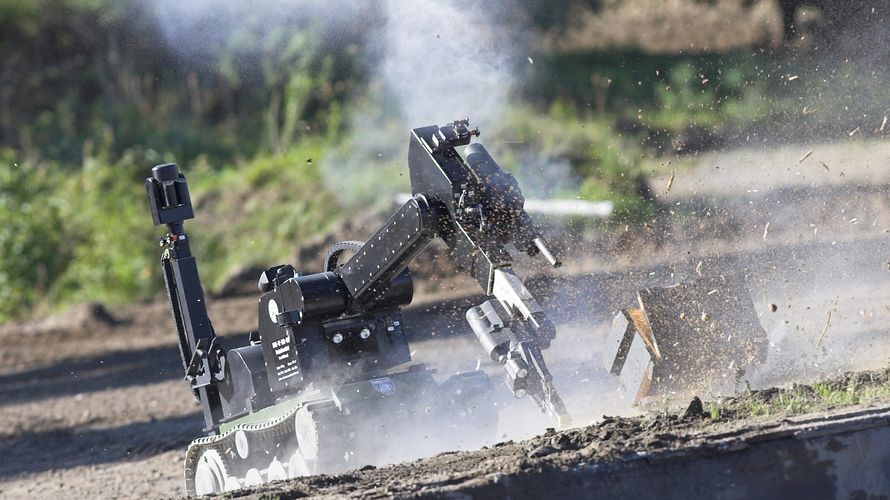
x,y
384,386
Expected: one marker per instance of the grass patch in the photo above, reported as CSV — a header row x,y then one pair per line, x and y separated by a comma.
x,y
714,411
662,91
71,237
852,389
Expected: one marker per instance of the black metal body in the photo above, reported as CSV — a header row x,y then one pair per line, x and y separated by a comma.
x,y
344,324
307,335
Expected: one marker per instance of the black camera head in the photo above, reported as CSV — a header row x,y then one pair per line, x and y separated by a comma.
x,y
168,195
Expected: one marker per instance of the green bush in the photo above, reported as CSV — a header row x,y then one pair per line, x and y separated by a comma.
x,y
662,91
76,72
109,232
88,236
34,248
707,96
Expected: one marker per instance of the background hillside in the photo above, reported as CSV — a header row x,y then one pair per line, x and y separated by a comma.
x,y
288,116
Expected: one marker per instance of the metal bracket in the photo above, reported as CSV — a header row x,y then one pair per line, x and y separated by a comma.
x,y
456,133
208,364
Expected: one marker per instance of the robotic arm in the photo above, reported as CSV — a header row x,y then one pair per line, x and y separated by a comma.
x,y
477,209
486,212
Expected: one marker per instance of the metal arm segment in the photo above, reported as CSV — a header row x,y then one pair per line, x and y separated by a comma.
x,y
202,355
474,206
509,341
369,272
482,212
482,204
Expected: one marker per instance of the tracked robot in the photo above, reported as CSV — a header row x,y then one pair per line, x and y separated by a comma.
x,y
325,379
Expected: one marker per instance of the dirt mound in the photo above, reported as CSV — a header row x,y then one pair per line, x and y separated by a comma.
x,y
613,440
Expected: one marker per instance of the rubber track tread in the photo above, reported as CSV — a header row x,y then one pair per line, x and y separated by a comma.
x,y
269,432
224,444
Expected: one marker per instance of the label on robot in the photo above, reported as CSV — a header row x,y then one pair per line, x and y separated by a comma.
x,y
289,370
384,386
286,366
282,348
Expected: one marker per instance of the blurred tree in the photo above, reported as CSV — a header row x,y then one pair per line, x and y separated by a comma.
x,y
76,73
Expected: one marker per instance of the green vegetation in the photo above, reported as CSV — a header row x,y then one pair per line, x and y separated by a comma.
x,y
77,75
853,389
95,92
256,214
714,411
85,235
660,91
31,243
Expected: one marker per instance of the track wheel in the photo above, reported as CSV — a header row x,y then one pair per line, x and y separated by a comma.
x,y
276,471
253,478
211,475
299,466
307,427
232,484
323,440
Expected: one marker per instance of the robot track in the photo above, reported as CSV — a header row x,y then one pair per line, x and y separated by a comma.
x,y
312,438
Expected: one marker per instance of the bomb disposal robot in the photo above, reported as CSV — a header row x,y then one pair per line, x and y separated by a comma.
x,y
321,384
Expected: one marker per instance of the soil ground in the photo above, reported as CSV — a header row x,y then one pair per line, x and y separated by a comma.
x,y
613,441
92,403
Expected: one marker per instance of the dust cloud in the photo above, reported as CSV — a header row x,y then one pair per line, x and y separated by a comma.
x,y
430,63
